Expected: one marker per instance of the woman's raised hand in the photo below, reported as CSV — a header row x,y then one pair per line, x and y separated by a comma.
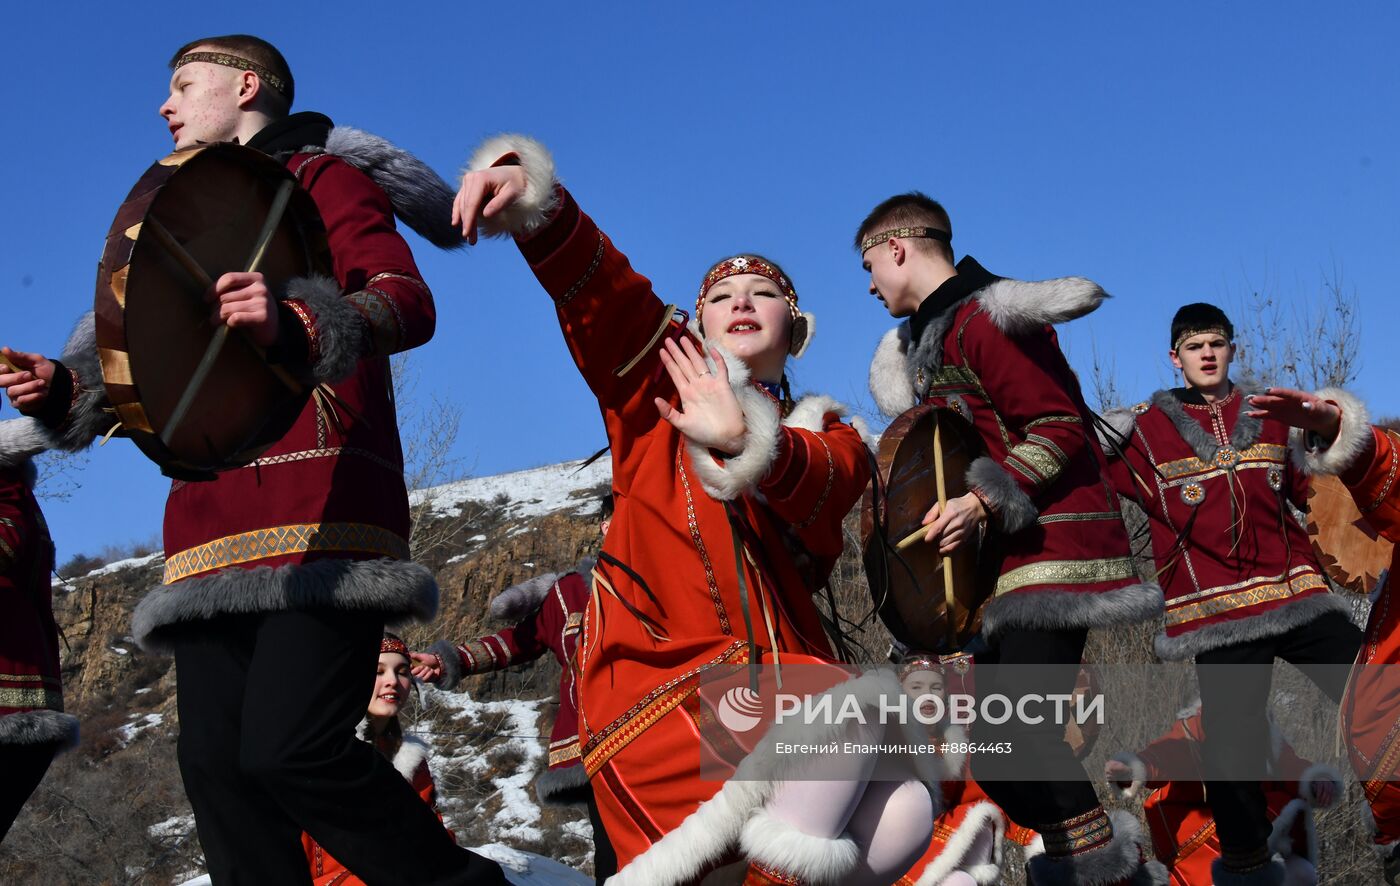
x,y
485,193
426,666
710,414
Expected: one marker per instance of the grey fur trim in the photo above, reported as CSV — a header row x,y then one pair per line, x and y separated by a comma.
x,y
1320,772
21,438
340,327
810,413
1012,508
1353,440
1201,441
584,567
1271,874
1267,624
1280,840
1122,422
39,727
737,474
533,209
452,670
1120,861
778,844
1139,770
563,785
1019,307
400,589
927,352
88,417
1056,610
421,198
523,598
889,378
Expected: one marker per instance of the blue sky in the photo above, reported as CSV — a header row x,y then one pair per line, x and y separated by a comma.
x,y
1172,152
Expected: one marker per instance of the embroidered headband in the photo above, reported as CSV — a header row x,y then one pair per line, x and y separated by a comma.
x,y
390,643
920,663
747,264
1209,330
229,60
882,236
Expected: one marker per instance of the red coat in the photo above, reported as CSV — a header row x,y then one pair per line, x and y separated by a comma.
x,y
332,489
550,612
31,692
1217,487
647,644
986,349
1180,819
1368,461
411,761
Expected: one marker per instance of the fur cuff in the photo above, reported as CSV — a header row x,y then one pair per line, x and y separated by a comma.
x,y
1270,874
1316,774
39,727
519,600
419,195
1352,440
452,669
340,329
537,205
401,590
729,479
982,817
1139,770
1018,307
87,417
889,375
1012,508
1120,861
1058,610
21,438
777,844
563,785
1242,630
1281,832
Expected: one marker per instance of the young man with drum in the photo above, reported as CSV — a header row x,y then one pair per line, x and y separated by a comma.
x,y
303,552
1242,584
983,346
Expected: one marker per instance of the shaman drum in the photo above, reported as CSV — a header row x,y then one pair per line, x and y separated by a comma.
x,y
910,592
195,396
1353,554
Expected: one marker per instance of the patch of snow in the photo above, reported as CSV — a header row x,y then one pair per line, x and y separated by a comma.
x,y
119,651
116,566
529,869
477,538
457,558
175,826
530,493
139,724
199,881
142,691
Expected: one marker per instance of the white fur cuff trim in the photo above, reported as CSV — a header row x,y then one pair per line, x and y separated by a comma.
x,y
1352,439
1139,770
1316,774
536,206
728,479
774,843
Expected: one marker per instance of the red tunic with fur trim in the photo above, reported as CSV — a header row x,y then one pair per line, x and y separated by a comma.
x,y
650,635
1179,818
1235,564
552,626
1371,709
31,693
1065,558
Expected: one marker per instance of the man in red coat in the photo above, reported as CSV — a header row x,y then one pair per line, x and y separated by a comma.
x,y
304,551
984,346
1338,439
33,726
1243,586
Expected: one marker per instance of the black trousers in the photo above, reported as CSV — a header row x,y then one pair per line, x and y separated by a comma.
x,y
268,708
604,856
1008,779
23,766
1234,710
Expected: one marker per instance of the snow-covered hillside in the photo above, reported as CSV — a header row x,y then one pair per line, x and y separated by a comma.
x,y
560,488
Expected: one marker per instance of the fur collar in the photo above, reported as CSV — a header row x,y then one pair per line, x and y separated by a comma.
x,y
21,438
421,198
1015,307
412,752
1202,442
519,600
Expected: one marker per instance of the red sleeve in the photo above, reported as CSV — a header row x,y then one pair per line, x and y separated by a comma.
x,y
814,479
13,525
1029,383
526,641
1173,753
372,261
1375,490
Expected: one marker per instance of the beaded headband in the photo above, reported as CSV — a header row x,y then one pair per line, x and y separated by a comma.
x,y
893,233
747,264
390,643
920,663
1209,330
234,61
